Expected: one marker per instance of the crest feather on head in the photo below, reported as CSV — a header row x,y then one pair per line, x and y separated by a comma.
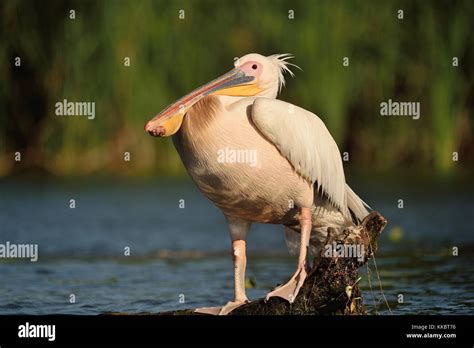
x,y
280,60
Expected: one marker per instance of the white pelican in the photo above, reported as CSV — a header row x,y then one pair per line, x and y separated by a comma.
x,y
296,178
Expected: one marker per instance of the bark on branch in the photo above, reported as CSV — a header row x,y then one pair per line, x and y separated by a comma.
x,y
331,286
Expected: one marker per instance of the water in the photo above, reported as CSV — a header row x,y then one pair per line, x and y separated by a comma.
x,y
183,254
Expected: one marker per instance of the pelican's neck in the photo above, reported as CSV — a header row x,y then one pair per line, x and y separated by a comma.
x,y
227,101
195,129
196,122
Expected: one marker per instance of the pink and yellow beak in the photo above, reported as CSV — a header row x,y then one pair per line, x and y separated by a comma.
x,y
235,83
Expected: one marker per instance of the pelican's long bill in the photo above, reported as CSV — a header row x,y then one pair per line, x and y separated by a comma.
x,y
233,83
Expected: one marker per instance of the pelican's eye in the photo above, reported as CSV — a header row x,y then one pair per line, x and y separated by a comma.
x,y
251,69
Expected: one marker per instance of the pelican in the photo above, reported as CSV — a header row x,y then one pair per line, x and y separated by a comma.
x,y
296,177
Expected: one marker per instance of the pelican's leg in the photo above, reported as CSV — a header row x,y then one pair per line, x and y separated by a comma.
x,y
240,260
290,290
238,233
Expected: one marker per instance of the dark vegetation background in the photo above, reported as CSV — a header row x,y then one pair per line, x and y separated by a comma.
x,y
83,60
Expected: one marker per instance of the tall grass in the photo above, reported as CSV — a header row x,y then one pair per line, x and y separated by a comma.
x,y
83,59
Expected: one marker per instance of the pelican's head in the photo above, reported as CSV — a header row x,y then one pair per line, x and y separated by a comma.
x,y
253,75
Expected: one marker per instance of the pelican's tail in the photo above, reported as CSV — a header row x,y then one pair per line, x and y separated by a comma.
x,y
356,205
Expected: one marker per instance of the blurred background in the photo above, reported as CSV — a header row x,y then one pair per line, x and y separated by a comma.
x,y
407,59
135,203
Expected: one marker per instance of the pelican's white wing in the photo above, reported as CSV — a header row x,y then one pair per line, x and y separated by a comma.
x,y
303,139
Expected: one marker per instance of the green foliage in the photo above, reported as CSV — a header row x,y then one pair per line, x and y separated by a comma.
x,y
82,59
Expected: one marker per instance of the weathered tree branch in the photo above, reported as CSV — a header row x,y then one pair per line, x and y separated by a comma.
x,y
331,286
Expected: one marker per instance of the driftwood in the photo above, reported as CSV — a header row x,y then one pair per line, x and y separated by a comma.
x,y
331,286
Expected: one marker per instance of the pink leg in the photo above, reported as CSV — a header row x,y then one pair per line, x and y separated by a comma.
x,y
290,290
240,261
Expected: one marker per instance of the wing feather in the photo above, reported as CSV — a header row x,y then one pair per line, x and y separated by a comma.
x,y
303,139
